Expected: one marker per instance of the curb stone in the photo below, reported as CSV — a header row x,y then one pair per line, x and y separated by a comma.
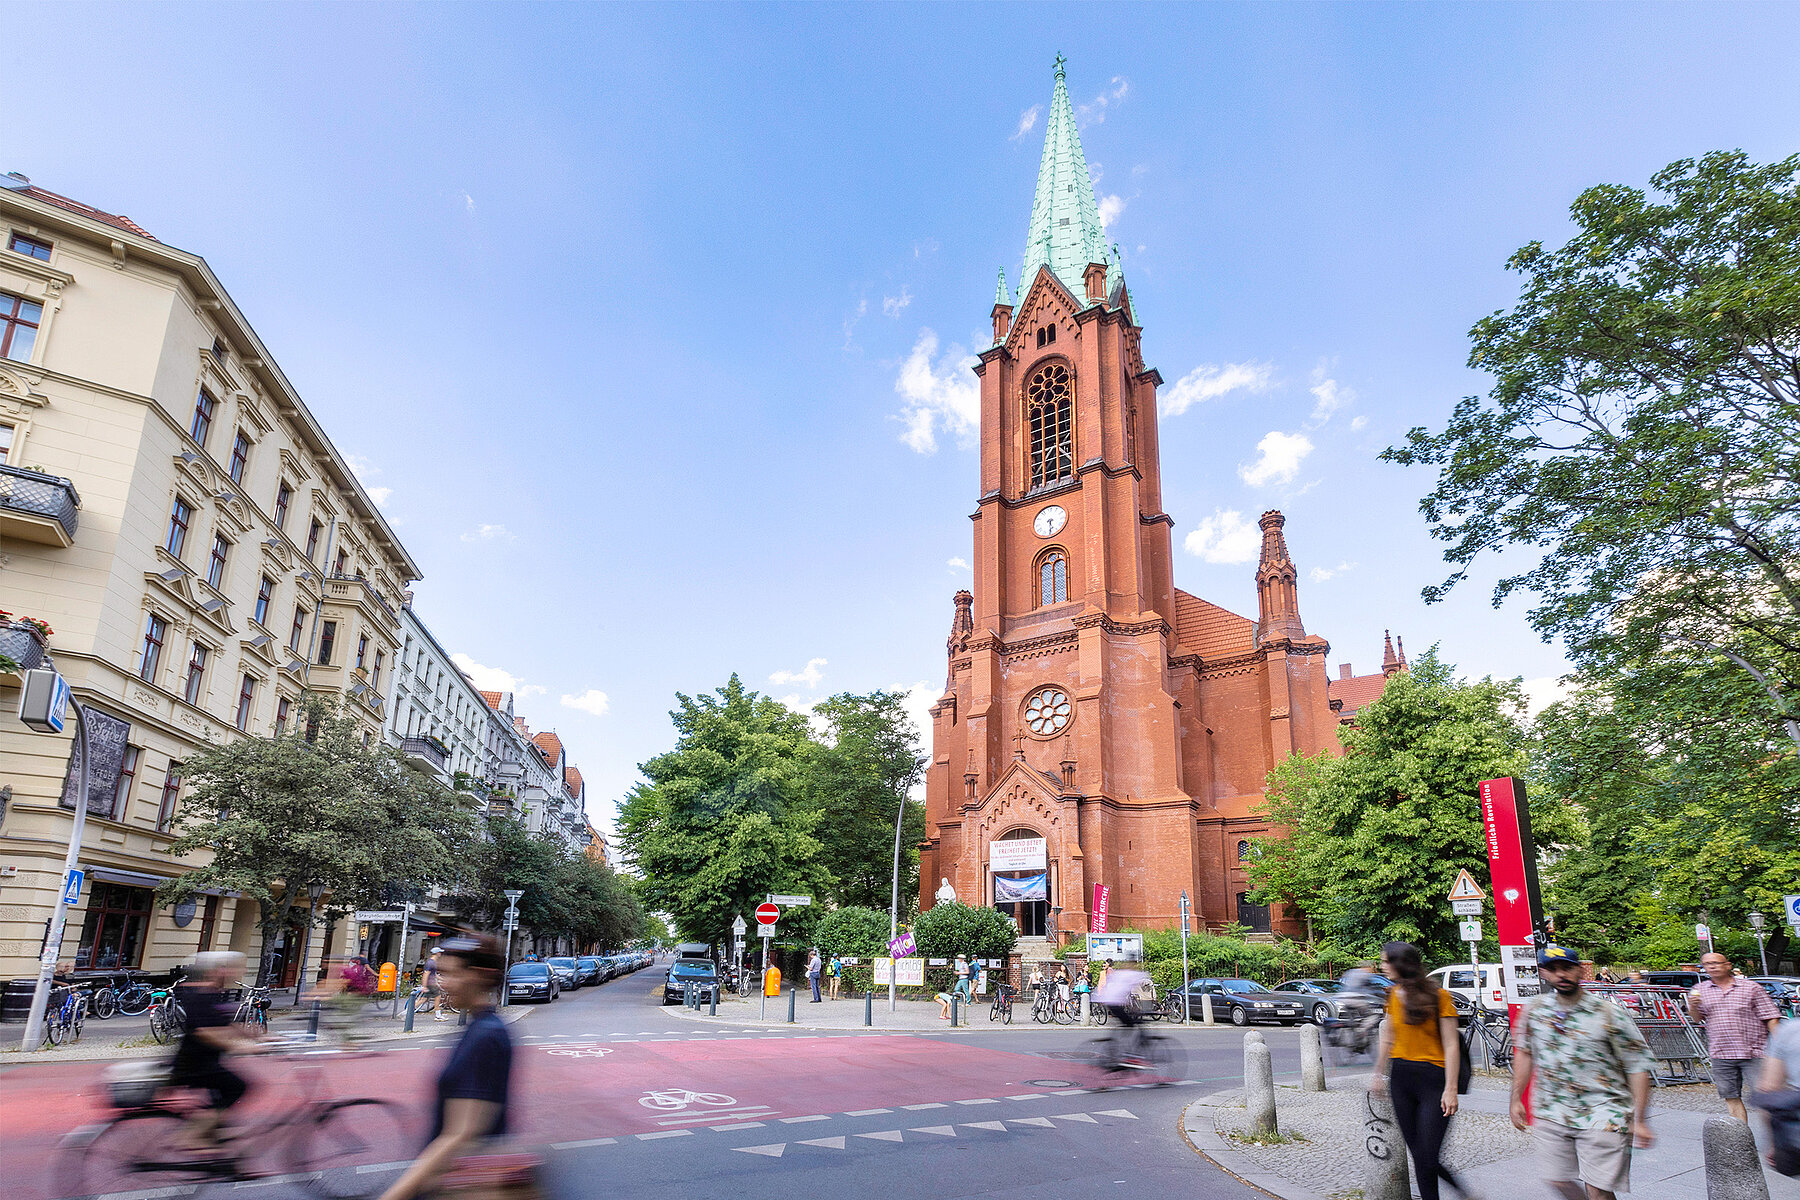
x,y
1203,1139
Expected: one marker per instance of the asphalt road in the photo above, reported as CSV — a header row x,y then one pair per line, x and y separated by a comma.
x,y
628,1099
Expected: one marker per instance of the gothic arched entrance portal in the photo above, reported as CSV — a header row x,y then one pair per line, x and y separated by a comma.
x,y
1023,885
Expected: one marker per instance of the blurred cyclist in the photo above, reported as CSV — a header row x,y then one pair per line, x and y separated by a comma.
x,y
209,1035
1118,991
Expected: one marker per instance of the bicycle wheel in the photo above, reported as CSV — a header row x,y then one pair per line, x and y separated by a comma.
x,y
1162,1059
1006,1013
131,1153
1174,1009
162,1030
1099,1014
106,1003
53,1028
133,1001
342,1136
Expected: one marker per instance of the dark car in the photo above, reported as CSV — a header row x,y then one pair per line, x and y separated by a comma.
x,y
1323,991
693,973
1684,979
590,970
531,981
566,972
1784,990
1245,1001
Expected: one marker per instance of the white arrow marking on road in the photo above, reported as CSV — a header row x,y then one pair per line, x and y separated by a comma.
x,y
886,1135
1118,1112
999,1125
836,1143
772,1151
1044,1121
1075,1117
940,1130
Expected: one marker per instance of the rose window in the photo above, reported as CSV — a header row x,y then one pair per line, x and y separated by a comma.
x,y
1048,711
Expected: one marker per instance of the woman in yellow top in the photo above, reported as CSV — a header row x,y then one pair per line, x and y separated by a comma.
x,y
1418,1062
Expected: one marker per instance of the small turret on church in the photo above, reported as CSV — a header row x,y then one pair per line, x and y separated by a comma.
x,y
1277,596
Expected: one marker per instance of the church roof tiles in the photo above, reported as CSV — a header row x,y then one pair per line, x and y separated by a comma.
x,y
1205,629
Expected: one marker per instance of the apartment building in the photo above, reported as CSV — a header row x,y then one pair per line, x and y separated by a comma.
x,y
175,515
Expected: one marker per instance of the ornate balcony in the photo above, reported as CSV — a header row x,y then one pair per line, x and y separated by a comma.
x,y
35,507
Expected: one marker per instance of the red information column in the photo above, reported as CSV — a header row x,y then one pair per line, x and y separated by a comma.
x,y
1518,907
1097,922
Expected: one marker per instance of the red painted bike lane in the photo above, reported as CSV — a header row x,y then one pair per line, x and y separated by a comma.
x,y
572,1091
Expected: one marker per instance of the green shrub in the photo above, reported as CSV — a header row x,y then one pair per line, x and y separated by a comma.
x,y
951,929
854,932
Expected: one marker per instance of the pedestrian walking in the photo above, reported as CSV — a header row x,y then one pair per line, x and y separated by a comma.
x,y
1418,1064
1589,1070
1739,1018
473,1087
815,965
1778,1092
963,987
834,971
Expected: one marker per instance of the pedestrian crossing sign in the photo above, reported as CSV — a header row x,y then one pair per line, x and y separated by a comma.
x,y
1465,887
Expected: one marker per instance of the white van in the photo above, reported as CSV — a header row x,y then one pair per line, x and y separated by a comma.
x,y
1460,981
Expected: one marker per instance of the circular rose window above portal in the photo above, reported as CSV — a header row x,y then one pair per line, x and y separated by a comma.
x,y
1047,712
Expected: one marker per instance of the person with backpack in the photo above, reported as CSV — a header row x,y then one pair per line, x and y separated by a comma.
x,y
1778,1094
1418,1064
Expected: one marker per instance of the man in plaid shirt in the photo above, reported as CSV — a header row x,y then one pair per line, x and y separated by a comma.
x,y
1739,1018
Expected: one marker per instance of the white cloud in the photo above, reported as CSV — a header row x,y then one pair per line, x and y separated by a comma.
x,y
1280,455
1209,381
1357,422
937,396
379,495
1027,122
1321,574
468,202
958,564
494,679
366,471
850,322
489,533
593,702
1542,693
1224,537
1110,208
893,306
1328,395
808,676
1094,113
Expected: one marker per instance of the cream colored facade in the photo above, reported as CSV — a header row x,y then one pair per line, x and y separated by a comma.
x,y
131,334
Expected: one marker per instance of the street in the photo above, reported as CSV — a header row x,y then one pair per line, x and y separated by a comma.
x,y
622,1095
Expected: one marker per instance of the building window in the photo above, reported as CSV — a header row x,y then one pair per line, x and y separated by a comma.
x,y
196,674
1048,711
246,701
265,592
343,564
312,539
299,629
1049,412
283,706
209,921
1053,578
112,935
23,244
165,812
180,513
220,349
375,678
6,444
19,319
204,407
1243,851
128,766
215,568
362,651
283,495
240,455
327,637
154,631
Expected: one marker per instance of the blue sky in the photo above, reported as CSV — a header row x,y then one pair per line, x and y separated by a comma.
x,y
630,315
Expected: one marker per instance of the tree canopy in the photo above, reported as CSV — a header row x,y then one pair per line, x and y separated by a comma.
x,y
864,769
566,893
952,928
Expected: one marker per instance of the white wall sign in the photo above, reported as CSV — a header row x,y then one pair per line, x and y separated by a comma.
x,y
1018,854
1119,947
912,971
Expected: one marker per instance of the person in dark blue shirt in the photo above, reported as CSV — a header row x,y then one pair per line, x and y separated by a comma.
x,y
472,1088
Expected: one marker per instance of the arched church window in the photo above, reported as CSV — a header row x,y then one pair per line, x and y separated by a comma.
x,y
1048,711
1243,851
1053,577
1049,334
1040,337
1048,408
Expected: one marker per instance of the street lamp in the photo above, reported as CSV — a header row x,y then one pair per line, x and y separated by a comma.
x,y
1756,923
893,912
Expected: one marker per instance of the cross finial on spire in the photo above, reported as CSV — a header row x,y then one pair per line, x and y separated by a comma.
x,y
1060,60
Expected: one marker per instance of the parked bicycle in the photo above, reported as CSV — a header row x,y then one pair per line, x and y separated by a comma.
x,y
131,998
253,1007
1001,1010
1490,1034
62,1025
1043,1005
167,1017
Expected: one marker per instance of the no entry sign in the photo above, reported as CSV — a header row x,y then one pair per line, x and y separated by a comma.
x,y
768,914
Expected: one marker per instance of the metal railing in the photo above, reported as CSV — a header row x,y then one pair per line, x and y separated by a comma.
x,y
40,495
429,749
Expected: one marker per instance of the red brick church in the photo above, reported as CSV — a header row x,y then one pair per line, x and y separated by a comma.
x,y
1100,725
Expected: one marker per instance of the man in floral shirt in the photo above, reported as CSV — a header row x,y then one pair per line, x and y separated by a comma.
x,y
1739,1018
1591,1094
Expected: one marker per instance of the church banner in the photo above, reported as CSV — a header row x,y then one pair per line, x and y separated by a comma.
x,y
1031,887
1018,854
1097,921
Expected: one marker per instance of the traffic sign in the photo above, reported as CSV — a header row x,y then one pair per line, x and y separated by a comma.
x,y
1465,887
1702,933
767,914
72,885
765,930
737,927
791,901
1471,930
1466,908
1791,905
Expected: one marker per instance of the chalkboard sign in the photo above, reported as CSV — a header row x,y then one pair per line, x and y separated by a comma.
x,y
106,739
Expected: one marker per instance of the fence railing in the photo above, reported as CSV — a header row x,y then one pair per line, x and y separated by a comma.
x,y
40,495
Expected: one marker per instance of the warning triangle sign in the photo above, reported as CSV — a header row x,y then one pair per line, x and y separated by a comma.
x,y
1464,888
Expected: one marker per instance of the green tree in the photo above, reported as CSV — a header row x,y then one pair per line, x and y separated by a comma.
x,y
856,782
1640,435
315,806
1373,839
946,930
856,932
721,820
655,931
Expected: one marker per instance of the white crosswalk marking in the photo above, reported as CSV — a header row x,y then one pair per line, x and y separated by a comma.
x,y
770,1151
920,1107
739,1125
979,1100
1028,1096
940,1130
799,1120
667,1133
1074,1117
869,1112
1044,1121
996,1125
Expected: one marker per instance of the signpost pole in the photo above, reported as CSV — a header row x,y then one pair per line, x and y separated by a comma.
x,y
1185,1000
1756,923
40,997
400,959
761,985
512,923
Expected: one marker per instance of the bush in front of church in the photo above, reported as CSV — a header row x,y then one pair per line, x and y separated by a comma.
x,y
952,928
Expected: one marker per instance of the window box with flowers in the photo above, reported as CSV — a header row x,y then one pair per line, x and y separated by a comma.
x,y
22,640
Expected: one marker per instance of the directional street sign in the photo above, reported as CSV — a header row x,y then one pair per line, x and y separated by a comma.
x,y
1466,908
1471,930
791,901
1465,887
767,914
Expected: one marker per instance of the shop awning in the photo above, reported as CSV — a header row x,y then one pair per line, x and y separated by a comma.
x,y
134,878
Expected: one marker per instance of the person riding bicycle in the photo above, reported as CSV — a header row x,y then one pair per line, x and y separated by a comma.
x,y
433,991
1118,991
210,1035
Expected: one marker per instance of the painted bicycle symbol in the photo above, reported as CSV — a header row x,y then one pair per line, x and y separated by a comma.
x,y
675,1099
581,1049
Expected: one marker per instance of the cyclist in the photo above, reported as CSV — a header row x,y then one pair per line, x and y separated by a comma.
x,y
1118,991
473,1087
434,991
210,1034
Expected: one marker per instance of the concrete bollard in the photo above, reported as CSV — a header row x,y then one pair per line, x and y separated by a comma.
x,y
1206,1014
868,1008
712,1001
955,1008
1252,1038
792,992
1734,1170
1312,1060
1259,1087
1385,1175
1086,1008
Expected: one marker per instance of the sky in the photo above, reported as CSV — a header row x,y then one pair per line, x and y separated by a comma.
x,y
647,327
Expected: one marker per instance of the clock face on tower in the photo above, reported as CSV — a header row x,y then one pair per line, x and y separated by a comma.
x,y
1050,521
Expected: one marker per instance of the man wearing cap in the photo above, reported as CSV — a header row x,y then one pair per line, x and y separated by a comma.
x,y
1739,1018
1590,1099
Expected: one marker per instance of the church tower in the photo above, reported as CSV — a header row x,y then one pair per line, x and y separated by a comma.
x,y
1098,725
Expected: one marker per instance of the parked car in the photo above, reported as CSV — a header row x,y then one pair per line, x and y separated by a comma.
x,y
1245,1000
690,972
532,981
1784,990
567,974
1682,978
693,952
1460,982
1323,992
590,970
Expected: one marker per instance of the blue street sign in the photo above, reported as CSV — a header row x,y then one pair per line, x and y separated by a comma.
x,y
72,885
1792,904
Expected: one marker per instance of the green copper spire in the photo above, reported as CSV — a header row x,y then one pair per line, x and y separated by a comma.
x,y
1000,294
1065,223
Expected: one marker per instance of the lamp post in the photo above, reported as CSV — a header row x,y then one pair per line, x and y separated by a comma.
x,y
1756,923
893,911
313,892
42,701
